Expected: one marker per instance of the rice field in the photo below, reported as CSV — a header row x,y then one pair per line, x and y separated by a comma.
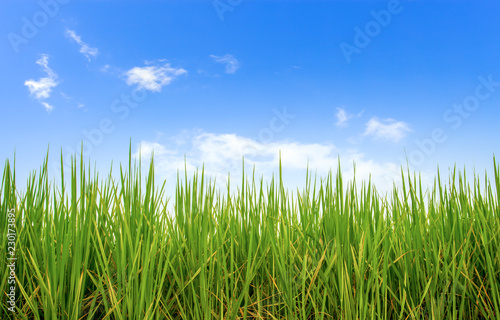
x,y
94,247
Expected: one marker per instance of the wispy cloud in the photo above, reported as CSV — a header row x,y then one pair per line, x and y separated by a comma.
x,y
42,88
66,96
85,49
229,60
387,129
105,68
153,78
47,106
343,117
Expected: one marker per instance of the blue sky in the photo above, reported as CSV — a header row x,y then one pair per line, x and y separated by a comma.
x,y
212,81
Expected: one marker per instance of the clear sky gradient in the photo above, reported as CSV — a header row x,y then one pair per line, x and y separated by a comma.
x,y
213,81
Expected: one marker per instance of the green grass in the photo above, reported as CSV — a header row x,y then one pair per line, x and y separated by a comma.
x,y
96,248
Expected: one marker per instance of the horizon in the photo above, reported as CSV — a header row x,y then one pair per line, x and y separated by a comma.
x,y
376,83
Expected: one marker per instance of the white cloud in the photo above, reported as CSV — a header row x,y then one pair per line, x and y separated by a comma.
x,y
47,106
105,68
387,129
229,60
85,49
66,96
153,78
42,88
222,154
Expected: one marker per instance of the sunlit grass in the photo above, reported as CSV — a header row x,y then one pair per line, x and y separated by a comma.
x,y
97,248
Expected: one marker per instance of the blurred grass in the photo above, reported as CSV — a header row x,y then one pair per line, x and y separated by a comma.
x,y
98,248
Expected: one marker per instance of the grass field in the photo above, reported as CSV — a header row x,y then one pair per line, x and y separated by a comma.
x,y
96,248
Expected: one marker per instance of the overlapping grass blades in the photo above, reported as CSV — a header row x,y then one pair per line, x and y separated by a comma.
x,y
104,249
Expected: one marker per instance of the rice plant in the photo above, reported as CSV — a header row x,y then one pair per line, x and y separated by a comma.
x,y
103,248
